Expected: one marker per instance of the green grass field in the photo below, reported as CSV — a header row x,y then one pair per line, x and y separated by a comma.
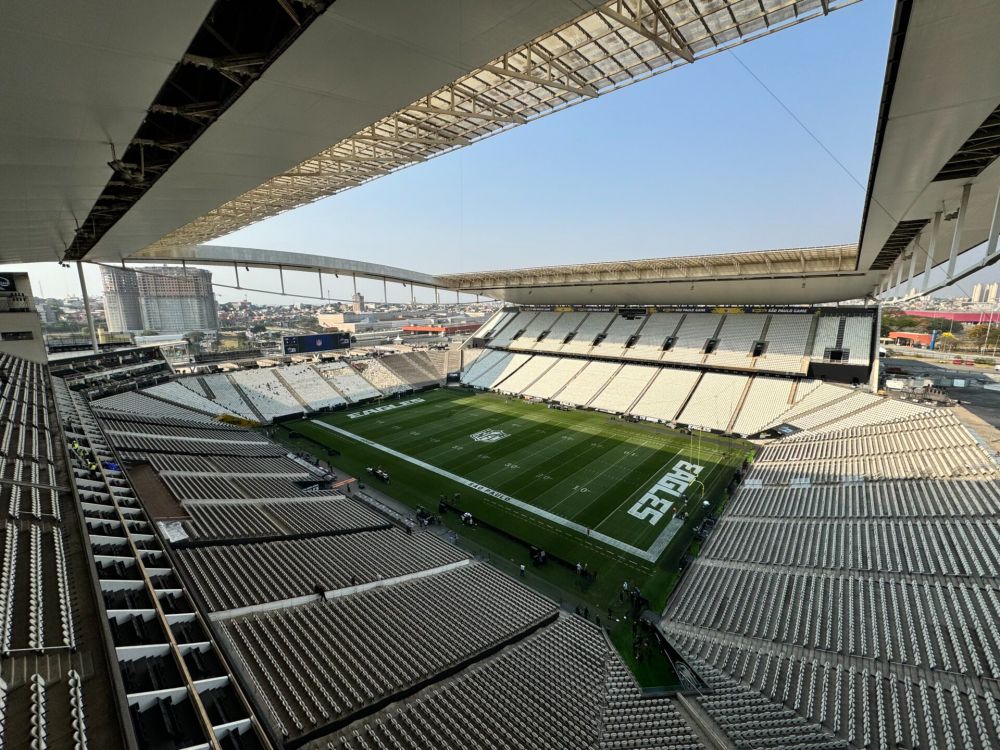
x,y
564,481
579,467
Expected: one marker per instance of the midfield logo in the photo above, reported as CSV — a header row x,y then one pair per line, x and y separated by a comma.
x,y
489,436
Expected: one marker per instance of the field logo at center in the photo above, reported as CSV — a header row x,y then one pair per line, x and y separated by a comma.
x,y
489,436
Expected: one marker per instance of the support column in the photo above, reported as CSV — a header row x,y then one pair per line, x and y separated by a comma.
x,y
913,262
281,277
86,307
931,249
899,272
354,276
319,271
437,296
991,245
956,238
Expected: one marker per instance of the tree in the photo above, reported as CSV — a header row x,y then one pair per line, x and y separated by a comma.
x,y
947,341
259,328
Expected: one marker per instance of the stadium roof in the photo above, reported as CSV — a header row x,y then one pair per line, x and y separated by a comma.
x,y
791,276
311,102
937,140
310,110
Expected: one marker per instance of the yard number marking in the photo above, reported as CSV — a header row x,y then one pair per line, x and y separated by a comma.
x,y
651,506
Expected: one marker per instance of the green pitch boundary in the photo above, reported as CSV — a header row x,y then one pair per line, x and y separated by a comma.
x,y
651,555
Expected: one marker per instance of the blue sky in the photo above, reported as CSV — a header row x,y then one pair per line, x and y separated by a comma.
x,y
698,160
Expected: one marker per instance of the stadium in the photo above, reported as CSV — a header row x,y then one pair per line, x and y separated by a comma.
x,y
655,503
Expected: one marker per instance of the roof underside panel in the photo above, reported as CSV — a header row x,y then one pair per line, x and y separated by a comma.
x,y
939,130
616,44
74,84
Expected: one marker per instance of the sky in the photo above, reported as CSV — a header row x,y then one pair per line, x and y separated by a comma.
x,y
701,159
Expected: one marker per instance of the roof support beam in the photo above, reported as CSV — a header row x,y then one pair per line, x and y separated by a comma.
x,y
412,139
913,260
956,238
931,249
488,116
642,31
584,90
991,244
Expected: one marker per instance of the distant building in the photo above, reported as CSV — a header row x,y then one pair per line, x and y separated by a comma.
x,y
985,293
121,300
165,299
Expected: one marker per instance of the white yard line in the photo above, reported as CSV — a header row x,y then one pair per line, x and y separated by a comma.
x,y
600,474
649,556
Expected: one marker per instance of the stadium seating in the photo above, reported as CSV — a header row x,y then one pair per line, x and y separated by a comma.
x,y
418,369
539,324
766,397
347,382
666,395
618,334
692,335
483,370
224,394
287,569
847,583
629,383
507,368
858,339
317,662
381,377
266,392
826,335
132,403
527,374
309,387
787,337
653,335
555,378
715,401
594,324
565,324
180,395
503,336
494,324
587,383
275,518
736,340
561,687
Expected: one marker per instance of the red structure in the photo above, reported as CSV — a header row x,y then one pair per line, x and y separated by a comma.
x,y
908,338
960,317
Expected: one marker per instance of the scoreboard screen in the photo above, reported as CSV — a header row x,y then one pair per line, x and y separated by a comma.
x,y
316,342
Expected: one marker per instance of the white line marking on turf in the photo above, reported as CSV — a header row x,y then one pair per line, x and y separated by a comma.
x,y
552,517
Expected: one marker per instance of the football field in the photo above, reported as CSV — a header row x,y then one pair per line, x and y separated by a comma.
x,y
620,484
